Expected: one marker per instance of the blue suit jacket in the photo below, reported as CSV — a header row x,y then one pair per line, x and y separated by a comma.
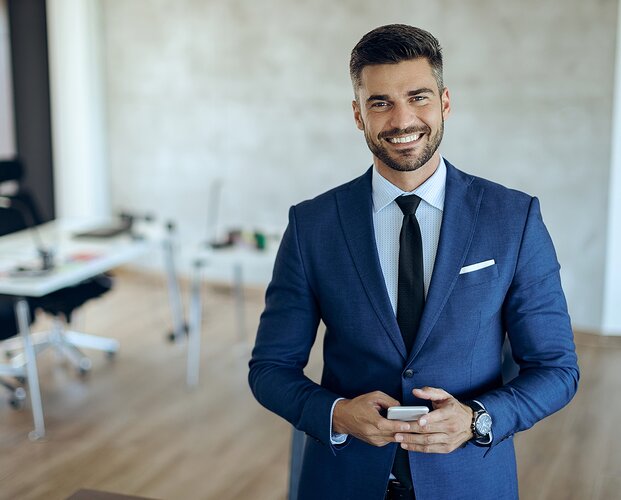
x,y
328,270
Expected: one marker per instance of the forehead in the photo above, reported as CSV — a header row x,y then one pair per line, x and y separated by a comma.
x,y
396,79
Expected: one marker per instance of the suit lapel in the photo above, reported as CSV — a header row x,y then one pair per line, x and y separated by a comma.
x,y
355,207
461,207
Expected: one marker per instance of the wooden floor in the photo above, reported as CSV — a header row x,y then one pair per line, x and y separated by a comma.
x,y
132,427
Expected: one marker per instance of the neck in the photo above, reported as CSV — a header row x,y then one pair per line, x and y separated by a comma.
x,y
408,181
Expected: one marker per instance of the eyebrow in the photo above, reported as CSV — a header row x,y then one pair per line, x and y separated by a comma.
x,y
411,93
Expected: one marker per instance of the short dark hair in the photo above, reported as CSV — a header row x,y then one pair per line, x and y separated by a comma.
x,y
392,44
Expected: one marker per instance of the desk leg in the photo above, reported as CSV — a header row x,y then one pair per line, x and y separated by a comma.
x,y
174,293
240,302
194,331
22,313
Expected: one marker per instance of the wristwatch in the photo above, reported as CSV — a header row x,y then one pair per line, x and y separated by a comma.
x,y
481,424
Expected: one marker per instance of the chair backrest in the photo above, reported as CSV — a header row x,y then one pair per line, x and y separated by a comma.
x,y
8,323
11,170
298,442
25,211
11,220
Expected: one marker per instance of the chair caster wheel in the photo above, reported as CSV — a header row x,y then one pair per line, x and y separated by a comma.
x,y
16,404
18,398
173,337
35,436
110,355
84,366
20,380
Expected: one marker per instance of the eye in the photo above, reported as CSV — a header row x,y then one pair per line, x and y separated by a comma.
x,y
379,106
419,98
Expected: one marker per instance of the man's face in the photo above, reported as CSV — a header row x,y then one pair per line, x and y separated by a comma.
x,y
401,112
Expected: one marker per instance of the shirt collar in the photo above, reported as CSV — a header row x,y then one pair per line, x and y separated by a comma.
x,y
431,191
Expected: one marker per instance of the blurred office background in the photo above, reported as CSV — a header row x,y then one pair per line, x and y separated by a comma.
x,y
150,102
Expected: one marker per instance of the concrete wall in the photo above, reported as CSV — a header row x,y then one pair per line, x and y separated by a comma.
x,y
258,94
611,323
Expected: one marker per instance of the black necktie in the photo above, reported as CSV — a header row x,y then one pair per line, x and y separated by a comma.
x,y
410,302
411,288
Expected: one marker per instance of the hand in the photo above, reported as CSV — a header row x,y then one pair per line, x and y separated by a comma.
x,y
360,417
442,430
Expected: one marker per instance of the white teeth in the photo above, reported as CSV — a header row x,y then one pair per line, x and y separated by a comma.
x,y
402,140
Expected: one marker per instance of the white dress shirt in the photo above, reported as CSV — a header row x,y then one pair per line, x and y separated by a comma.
x,y
387,221
388,218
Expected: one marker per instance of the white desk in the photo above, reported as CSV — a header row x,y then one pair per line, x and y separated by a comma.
x,y
234,265
76,260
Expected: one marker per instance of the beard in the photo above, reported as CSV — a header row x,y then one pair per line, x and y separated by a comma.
x,y
405,161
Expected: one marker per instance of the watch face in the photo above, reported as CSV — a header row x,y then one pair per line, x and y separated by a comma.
x,y
484,424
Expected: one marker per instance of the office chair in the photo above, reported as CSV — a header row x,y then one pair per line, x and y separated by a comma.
x,y
296,456
8,329
22,213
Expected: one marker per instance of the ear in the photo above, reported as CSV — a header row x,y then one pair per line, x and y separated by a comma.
x,y
446,102
357,115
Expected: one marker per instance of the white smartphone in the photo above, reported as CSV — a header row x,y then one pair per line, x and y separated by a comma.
x,y
406,413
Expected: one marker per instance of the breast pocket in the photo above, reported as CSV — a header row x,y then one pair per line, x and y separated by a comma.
x,y
485,275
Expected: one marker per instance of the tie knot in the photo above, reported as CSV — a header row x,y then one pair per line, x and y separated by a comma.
x,y
408,204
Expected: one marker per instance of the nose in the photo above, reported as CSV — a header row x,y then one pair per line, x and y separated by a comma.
x,y
402,116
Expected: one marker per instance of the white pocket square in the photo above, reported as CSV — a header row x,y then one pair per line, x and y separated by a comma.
x,y
477,266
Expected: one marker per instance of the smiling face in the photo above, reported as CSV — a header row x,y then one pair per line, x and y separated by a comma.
x,y
401,112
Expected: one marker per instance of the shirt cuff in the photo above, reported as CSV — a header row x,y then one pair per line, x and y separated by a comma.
x,y
334,437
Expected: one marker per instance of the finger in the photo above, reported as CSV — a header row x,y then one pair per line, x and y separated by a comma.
x,y
431,393
422,439
392,426
430,448
378,437
426,422
446,419
433,443
371,436
451,427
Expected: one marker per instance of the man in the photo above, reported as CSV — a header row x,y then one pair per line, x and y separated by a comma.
x,y
417,294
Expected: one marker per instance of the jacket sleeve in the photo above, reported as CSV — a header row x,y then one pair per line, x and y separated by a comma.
x,y
538,326
286,334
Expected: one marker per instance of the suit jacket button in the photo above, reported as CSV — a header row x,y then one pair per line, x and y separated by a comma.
x,y
408,373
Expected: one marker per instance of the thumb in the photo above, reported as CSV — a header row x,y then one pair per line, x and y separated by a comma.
x,y
383,400
432,394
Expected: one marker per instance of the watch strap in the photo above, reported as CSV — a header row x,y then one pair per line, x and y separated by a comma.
x,y
478,408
